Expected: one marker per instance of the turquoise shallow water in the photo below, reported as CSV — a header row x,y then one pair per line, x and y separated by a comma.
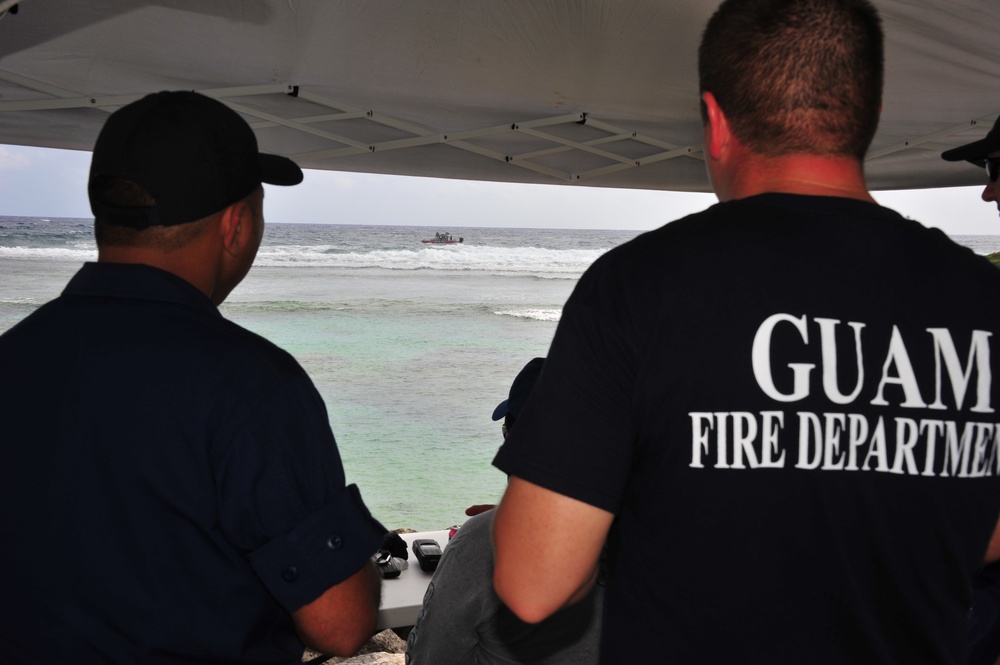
x,y
410,346
410,386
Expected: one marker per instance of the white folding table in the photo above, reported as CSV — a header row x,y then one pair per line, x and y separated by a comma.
x,y
403,596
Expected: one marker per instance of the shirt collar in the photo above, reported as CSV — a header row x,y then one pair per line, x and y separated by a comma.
x,y
136,281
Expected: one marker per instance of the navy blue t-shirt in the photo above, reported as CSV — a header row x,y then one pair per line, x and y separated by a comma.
x,y
170,488
787,403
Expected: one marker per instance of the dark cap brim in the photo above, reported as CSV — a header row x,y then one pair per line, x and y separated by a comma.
x,y
278,170
977,151
972,152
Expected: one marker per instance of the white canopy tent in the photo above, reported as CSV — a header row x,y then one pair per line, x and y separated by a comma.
x,y
585,92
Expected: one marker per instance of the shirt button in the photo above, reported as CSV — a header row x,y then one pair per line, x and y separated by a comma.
x,y
334,542
289,573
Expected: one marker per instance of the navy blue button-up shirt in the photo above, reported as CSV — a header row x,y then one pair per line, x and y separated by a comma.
x,y
170,488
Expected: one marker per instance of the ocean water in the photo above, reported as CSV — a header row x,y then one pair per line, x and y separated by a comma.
x,y
411,345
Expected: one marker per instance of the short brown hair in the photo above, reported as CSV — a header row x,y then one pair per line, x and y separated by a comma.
x,y
796,75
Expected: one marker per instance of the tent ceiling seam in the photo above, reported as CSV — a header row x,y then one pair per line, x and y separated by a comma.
x,y
61,98
928,138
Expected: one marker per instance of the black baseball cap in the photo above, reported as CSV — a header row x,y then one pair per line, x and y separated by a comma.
x,y
192,153
976,151
520,389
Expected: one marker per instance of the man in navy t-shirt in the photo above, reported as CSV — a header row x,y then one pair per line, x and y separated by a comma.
x,y
984,620
778,412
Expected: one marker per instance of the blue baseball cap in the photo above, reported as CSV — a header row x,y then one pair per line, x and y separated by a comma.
x,y
520,389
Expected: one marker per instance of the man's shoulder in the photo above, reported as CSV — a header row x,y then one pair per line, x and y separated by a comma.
x,y
656,251
173,316
251,353
706,225
780,222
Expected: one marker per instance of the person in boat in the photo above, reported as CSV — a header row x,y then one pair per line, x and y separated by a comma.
x,y
171,490
984,619
462,619
769,408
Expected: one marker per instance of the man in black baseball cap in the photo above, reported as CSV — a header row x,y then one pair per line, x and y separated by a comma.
x,y
189,500
983,153
193,154
984,617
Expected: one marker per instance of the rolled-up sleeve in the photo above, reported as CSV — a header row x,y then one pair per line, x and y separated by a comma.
x,y
282,495
323,550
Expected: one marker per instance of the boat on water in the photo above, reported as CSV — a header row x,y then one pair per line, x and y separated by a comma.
x,y
443,239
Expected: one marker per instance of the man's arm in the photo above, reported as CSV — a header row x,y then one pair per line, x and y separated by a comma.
x,y
547,548
341,620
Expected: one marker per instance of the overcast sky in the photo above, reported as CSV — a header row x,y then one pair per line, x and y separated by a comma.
x,y
41,182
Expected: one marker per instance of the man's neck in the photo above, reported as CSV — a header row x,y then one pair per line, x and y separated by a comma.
x,y
191,263
811,175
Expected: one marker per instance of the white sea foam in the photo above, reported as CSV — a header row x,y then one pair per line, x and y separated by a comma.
x,y
75,254
531,261
535,314
496,260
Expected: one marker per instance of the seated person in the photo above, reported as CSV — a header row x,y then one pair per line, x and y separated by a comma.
x,y
463,621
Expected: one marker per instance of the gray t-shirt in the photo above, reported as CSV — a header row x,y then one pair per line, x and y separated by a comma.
x,y
463,620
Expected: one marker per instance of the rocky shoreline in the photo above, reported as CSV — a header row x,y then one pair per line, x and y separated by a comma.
x,y
385,648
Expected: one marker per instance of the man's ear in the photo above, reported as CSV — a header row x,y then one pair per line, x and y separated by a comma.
x,y
234,224
717,134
